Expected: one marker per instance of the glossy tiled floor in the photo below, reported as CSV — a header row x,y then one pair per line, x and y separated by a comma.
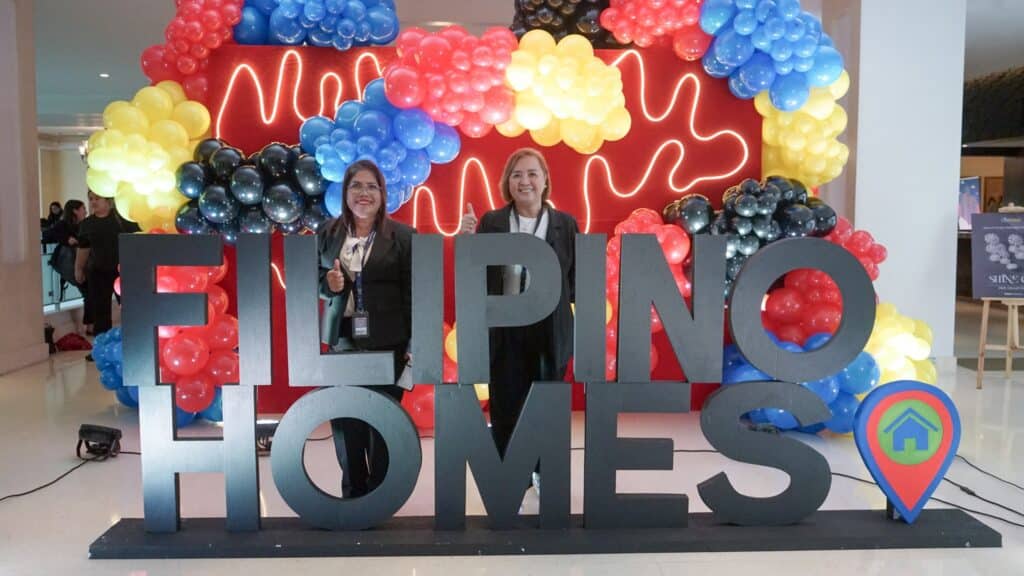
x,y
49,532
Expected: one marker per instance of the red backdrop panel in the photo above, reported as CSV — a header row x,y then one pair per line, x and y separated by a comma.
x,y
689,135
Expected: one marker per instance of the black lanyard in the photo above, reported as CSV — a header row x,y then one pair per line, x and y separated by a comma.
x,y
360,303
519,228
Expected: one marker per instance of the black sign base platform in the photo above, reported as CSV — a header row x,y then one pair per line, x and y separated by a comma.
x,y
415,536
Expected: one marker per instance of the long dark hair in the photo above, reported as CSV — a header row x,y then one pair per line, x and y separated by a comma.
x,y
69,213
381,221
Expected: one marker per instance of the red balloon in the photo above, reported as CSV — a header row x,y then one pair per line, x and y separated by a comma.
x,y
408,42
785,305
232,13
213,40
403,87
196,86
187,65
166,332
193,31
691,43
188,278
500,37
860,243
473,127
655,358
117,286
217,273
454,34
878,253
155,65
166,282
674,243
223,333
450,371
219,298
223,367
422,408
194,393
498,104
185,354
822,318
435,53
791,333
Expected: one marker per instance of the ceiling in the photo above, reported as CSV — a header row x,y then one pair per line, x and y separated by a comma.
x,y
77,41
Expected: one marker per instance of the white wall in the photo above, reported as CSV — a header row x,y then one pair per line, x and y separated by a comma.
x,y
61,173
21,306
910,102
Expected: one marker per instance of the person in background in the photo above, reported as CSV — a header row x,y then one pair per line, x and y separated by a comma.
x,y
65,235
366,281
53,217
97,259
541,352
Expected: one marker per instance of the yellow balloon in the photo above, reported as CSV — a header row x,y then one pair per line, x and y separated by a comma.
x,y
193,116
576,47
168,134
510,129
521,70
577,134
483,393
125,118
548,135
174,90
100,182
539,42
607,312
530,112
451,347
926,371
923,331
840,87
155,103
617,125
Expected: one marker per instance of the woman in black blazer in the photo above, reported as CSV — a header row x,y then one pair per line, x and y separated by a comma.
x,y
541,352
363,247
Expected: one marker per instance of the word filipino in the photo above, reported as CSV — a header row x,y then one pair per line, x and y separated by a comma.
x,y
542,435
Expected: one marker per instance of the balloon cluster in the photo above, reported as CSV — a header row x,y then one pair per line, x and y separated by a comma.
x,y
198,28
902,346
769,45
455,77
565,94
645,22
108,353
861,244
754,215
134,157
402,143
323,23
198,359
804,144
561,18
808,303
675,245
839,391
277,187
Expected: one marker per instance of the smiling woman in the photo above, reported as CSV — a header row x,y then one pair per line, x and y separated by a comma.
x,y
541,352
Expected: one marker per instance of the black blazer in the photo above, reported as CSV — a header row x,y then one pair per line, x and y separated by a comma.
x,y
387,286
561,236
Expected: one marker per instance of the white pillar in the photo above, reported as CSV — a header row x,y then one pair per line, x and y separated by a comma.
x,y
910,105
21,339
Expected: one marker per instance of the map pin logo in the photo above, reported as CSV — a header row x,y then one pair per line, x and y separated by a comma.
x,y
908,433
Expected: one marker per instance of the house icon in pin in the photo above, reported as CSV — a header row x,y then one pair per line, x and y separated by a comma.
x,y
910,426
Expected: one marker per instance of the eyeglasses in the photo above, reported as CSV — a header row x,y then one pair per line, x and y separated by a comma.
x,y
360,187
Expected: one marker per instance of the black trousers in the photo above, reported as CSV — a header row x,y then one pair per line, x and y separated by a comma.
x,y
100,286
361,450
521,360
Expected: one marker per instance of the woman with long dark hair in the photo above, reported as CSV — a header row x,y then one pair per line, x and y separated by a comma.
x,y
366,281
523,355
64,233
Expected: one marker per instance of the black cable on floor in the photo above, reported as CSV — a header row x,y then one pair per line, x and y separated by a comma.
x,y
987,473
971,492
57,479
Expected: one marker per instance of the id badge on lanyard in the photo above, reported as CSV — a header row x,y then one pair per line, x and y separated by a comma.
x,y
360,317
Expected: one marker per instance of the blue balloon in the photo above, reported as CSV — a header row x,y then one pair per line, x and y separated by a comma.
x,y
788,9
254,27
215,412
843,408
775,28
383,24
758,73
826,40
314,10
367,146
784,67
346,29
415,168
805,47
795,30
765,9
134,392
329,24
406,193
781,50
125,397
387,160
373,123
859,376
414,128
183,418
715,14
760,39
347,152
826,388
445,146
790,92
739,89
812,26
362,35
333,168
321,38
746,4
340,134
714,67
816,341
780,418
332,199
284,29
771,336
374,98
745,22
812,429
790,347
312,129
743,373
757,416
828,66
264,7
347,113
334,7
731,356
355,10
341,42
109,379
802,64
733,49
394,200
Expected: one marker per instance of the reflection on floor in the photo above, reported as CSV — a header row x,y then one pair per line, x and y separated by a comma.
x,y
49,532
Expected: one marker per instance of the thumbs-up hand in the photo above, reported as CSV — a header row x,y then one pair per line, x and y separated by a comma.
x,y
335,277
469,220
